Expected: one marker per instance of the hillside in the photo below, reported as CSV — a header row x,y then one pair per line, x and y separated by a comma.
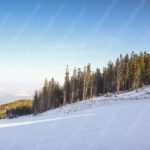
x,y
9,106
117,122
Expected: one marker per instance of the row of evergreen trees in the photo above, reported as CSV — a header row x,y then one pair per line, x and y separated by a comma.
x,y
127,73
20,111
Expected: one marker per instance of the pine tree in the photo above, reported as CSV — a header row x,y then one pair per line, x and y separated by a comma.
x,y
97,82
67,87
111,74
45,95
73,86
147,68
127,73
35,103
80,82
87,82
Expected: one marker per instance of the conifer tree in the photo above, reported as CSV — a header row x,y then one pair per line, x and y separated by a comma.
x,y
45,95
97,82
67,87
35,103
80,83
128,73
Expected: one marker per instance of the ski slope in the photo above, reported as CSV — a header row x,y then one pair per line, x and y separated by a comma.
x,y
119,122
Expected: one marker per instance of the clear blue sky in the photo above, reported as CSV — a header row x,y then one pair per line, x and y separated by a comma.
x,y
38,38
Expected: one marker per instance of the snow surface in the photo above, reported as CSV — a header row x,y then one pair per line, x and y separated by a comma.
x,y
119,122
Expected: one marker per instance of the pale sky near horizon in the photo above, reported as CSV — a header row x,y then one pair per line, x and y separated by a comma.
x,y
38,38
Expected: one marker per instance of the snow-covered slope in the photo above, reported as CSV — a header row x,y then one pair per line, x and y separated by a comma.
x,y
120,122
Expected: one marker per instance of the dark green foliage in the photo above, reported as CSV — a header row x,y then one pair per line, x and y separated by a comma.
x,y
66,88
127,73
20,111
22,107
51,96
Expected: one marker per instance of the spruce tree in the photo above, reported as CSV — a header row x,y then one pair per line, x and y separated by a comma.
x,y
66,87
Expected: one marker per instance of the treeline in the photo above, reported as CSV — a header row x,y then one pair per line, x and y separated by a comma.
x,y
127,73
20,111
18,108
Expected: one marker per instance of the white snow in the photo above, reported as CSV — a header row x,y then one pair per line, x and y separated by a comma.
x,y
120,122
